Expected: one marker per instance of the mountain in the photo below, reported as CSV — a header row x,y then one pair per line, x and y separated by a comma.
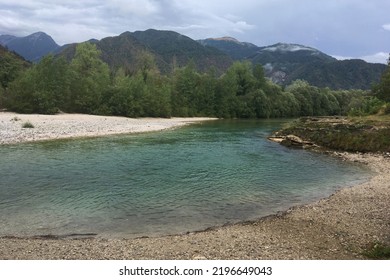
x,y
169,50
32,47
5,39
281,60
178,50
121,51
284,63
231,46
344,74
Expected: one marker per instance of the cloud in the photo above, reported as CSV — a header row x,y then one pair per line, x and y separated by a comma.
x,y
386,27
380,57
348,27
133,7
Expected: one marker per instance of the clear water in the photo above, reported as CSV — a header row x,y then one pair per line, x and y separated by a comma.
x,y
160,183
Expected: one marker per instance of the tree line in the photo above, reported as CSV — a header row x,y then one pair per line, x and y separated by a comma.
x,y
87,85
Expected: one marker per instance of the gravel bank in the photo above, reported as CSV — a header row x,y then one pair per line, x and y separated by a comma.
x,y
47,127
338,227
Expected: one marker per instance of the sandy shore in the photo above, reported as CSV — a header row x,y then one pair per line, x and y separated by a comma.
x,y
338,227
63,126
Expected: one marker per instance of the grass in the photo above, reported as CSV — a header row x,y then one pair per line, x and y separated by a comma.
x,y
27,125
378,251
357,134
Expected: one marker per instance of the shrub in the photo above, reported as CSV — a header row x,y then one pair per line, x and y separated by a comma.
x,y
378,252
27,125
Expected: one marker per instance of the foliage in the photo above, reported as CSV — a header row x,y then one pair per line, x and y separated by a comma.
x,y
89,79
41,89
11,67
382,89
378,251
27,125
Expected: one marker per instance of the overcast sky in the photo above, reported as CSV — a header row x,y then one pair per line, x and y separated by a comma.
x,y
342,28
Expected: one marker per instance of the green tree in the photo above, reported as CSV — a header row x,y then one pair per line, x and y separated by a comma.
x,y
146,65
2,98
261,104
242,74
119,98
11,67
42,88
185,91
303,93
90,78
382,90
157,101
259,75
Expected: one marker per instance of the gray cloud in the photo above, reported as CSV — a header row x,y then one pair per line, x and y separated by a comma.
x,y
349,28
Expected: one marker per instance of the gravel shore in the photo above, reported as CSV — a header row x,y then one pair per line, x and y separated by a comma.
x,y
47,127
338,227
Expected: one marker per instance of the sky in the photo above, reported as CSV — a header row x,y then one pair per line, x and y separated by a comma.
x,y
341,28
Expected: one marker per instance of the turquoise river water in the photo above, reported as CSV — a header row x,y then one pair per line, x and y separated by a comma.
x,y
160,183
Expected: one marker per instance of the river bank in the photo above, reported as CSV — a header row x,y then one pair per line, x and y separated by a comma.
x,y
64,126
339,227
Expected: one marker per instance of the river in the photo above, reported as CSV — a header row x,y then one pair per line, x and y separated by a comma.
x,y
161,183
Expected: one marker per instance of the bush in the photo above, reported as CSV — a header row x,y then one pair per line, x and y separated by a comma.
x,y
387,109
27,125
378,251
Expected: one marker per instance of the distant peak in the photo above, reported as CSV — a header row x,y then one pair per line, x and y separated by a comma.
x,y
39,34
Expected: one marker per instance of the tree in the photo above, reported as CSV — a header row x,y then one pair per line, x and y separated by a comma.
x,y
11,67
42,88
241,73
259,75
382,90
90,78
146,64
185,91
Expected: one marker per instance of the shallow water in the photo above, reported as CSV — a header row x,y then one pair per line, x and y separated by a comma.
x,y
161,183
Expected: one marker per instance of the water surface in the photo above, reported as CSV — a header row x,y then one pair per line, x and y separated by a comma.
x,y
160,183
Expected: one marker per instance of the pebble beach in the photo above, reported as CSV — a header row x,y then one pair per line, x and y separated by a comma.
x,y
63,126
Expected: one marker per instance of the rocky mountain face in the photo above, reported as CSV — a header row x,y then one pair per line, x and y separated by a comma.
x,y
32,47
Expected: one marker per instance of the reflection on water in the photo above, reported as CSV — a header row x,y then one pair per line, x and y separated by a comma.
x,y
160,183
